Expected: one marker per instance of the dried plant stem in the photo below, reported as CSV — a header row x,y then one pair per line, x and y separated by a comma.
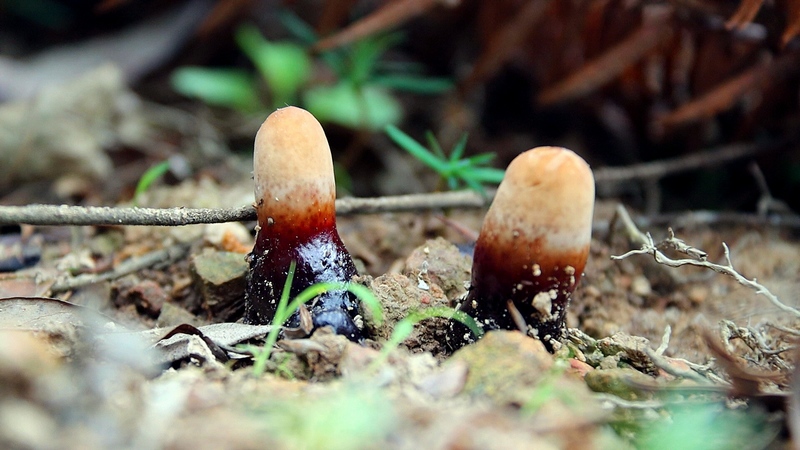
x,y
164,256
696,258
663,364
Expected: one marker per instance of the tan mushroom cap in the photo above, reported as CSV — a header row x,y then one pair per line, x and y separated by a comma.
x,y
292,165
547,195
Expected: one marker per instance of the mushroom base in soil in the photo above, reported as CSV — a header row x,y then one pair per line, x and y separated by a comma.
x,y
295,202
532,247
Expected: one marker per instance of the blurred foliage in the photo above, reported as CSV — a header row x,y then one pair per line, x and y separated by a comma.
x,y
707,426
361,96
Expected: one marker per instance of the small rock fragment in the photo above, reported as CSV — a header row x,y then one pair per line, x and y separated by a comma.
x,y
220,279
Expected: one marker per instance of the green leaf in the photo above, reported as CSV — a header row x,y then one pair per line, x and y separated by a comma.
x,y
414,84
285,66
149,177
475,186
408,144
458,149
485,174
404,328
481,159
367,107
434,145
231,88
365,295
297,27
365,54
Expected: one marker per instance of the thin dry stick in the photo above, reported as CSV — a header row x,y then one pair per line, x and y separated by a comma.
x,y
698,258
80,215
664,167
663,364
166,255
92,215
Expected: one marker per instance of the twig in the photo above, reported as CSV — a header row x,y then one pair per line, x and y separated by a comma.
x,y
90,215
129,266
662,363
697,259
756,341
93,215
664,167
629,404
664,340
716,217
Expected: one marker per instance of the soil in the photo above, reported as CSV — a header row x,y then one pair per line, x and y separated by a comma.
x,y
76,387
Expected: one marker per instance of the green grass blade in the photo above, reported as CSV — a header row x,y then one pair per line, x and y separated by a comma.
x,y
433,144
458,149
475,186
485,174
481,159
404,328
414,84
148,178
407,143
363,294
260,363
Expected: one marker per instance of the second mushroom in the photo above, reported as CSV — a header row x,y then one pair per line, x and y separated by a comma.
x,y
533,246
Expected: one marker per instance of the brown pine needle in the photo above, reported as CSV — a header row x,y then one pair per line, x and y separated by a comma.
x,y
729,93
606,67
744,14
504,42
388,16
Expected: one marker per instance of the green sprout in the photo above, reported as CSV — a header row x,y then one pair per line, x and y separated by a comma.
x,y
286,309
453,169
404,328
148,178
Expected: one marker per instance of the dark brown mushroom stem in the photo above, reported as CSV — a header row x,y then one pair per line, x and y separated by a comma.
x,y
532,247
295,203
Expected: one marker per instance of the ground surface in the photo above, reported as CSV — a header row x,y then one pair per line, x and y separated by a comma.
x,y
71,381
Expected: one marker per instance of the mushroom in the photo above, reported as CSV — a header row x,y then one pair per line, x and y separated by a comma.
x,y
533,246
295,202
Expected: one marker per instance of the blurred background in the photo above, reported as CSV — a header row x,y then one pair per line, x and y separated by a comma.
x,y
99,97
